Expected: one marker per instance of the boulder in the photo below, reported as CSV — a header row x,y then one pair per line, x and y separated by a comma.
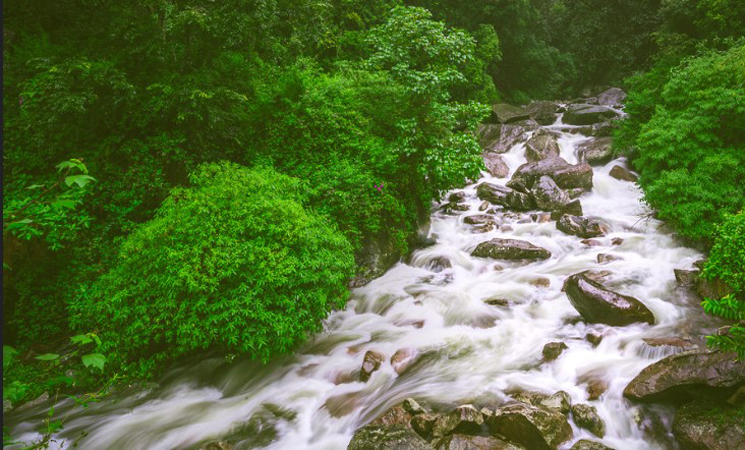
x,y
498,138
677,376
553,350
583,227
604,258
595,151
566,176
586,416
670,342
423,423
573,208
597,304
370,363
612,97
586,444
707,425
464,442
510,249
464,419
575,193
543,112
602,129
586,114
623,174
542,145
412,407
402,359
496,165
478,219
529,426
440,263
686,277
560,401
395,437
616,241
457,197
505,113
548,196
507,197
715,288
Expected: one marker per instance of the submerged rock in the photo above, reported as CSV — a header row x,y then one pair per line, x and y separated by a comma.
x,y
586,416
542,145
623,174
595,151
548,196
510,249
583,227
370,363
596,304
532,427
553,350
566,176
496,165
586,114
707,425
676,377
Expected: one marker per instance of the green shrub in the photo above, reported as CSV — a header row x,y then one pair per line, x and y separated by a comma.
x,y
233,263
727,257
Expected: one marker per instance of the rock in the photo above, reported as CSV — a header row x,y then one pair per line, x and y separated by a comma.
x,y
553,350
510,249
706,425
595,151
532,427
677,376
715,288
599,305
394,416
595,388
412,407
463,442
548,196
686,277
342,404
217,445
560,401
484,206
402,359
612,97
483,228
591,242
478,219
500,195
496,165
669,342
566,176
370,363
575,193
43,398
395,437
497,302
345,377
580,226
616,241
504,113
542,145
603,129
586,416
586,114
541,282
457,197
586,444
464,419
440,263
423,423
594,338
573,208
604,258
623,174
543,112
496,138
597,275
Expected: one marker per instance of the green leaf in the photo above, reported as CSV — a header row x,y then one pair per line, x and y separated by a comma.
x,y
81,339
80,180
19,224
47,357
94,359
69,204
8,353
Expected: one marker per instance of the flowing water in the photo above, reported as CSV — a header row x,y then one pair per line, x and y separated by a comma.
x,y
463,349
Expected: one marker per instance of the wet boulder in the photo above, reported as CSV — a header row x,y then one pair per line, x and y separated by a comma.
x,y
393,437
423,424
586,444
370,363
553,350
566,176
586,416
708,425
529,426
548,196
583,227
586,114
496,165
685,374
440,263
510,249
478,219
686,277
573,208
542,145
504,196
612,97
543,112
498,138
464,419
465,442
597,304
505,113
623,174
595,151
560,401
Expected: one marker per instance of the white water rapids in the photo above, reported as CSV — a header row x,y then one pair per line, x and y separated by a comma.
x,y
469,351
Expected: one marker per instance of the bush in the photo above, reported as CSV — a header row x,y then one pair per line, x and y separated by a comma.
x,y
233,263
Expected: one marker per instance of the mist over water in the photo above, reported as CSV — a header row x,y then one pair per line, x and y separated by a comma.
x,y
461,349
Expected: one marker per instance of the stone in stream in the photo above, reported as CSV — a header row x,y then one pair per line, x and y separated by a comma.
x,y
586,114
594,338
478,219
553,350
464,419
529,426
464,442
496,165
604,258
498,138
543,112
623,174
548,196
370,363
586,444
595,151
686,277
575,193
709,425
394,437
542,145
440,263
217,445
586,416
566,176
412,407
484,206
505,113
672,341
457,197
423,423
510,249
501,195
573,208
583,227
402,359
560,401
678,376
612,97
596,304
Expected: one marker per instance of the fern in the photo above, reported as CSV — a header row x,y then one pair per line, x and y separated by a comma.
x,y
732,339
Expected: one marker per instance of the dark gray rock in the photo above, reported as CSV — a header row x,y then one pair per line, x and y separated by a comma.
x,y
553,350
423,424
586,416
623,174
510,249
504,196
548,196
612,97
686,277
583,227
504,113
566,176
596,304
586,444
560,401
543,112
440,263
370,363
595,151
496,165
478,219
532,427
677,376
573,208
542,145
586,114
464,419
464,442
396,437
709,426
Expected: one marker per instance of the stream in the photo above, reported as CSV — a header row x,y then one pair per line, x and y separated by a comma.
x,y
452,346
